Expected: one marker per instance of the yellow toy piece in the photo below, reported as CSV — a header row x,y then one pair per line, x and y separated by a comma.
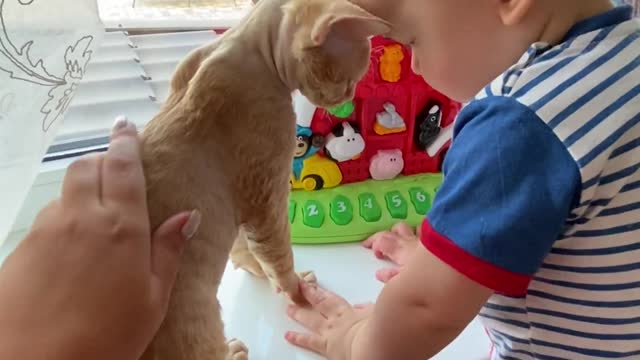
x,y
390,68
317,173
381,130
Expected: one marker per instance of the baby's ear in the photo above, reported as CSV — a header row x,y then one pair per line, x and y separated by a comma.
x,y
348,21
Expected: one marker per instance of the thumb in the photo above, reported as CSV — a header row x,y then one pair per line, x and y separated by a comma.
x,y
167,244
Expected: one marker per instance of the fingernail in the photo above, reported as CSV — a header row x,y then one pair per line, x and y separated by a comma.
x,y
121,123
190,228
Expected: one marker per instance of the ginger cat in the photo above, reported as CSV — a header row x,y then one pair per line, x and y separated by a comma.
x,y
223,143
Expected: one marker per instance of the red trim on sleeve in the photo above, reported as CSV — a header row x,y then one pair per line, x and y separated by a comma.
x,y
484,273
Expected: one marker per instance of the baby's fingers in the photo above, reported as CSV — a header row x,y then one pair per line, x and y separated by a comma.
x,y
384,275
402,229
310,342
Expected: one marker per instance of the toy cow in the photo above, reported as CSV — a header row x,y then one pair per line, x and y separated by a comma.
x,y
344,142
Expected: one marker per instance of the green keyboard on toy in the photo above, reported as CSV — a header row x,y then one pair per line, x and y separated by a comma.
x,y
352,212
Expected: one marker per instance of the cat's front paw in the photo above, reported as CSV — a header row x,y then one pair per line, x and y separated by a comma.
x,y
237,350
290,285
247,261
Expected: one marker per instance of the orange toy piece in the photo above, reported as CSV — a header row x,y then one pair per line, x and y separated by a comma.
x,y
390,69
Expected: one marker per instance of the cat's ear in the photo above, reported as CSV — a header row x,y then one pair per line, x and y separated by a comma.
x,y
346,20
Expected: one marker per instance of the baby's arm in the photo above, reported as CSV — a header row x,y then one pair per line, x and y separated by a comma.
x,y
416,322
508,188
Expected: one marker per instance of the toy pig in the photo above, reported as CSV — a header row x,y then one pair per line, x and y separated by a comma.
x,y
386,164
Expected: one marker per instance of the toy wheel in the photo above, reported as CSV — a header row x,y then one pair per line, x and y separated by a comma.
x,y
312,182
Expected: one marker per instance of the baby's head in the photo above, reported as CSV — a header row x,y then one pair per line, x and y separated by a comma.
x,y
331,47
459,46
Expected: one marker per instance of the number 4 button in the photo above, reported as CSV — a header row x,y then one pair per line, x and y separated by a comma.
x,y
369,208
313,214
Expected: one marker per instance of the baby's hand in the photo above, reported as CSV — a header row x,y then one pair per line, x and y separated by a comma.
x,y
397,245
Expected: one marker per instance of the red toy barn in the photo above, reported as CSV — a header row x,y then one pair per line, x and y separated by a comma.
x,y
410,94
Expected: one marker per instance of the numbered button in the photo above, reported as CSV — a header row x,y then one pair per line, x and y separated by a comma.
x,y
396,204
369,208
313,214
292,211
420,199
341,210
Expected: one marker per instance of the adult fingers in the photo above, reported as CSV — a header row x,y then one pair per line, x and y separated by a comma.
x,y
310,342
81,183
308,318
123,183
167,243
325,302
384,275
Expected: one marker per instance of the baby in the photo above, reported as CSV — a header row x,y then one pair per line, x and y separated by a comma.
x,y
536,227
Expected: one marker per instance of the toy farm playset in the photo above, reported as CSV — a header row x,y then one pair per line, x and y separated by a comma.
x,y
363,166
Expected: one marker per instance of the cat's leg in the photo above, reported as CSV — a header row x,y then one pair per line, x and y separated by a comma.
x,y
237,350
193,327
241,256
268,231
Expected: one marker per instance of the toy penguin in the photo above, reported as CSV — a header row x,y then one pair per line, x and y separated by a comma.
x,y
428,125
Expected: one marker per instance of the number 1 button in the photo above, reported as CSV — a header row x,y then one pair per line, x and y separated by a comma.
x,y
341,210
313,214
369,208
396,204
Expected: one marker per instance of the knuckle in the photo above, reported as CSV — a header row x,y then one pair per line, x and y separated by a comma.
x,y
118,163
117,226
82,164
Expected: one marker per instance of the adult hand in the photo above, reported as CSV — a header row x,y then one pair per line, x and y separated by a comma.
x,y
334,323
91,280
397,245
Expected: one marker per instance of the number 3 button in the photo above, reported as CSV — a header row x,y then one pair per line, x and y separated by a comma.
x,y
313,214
341,210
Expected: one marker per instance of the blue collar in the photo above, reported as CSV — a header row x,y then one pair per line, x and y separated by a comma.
x,y
612,17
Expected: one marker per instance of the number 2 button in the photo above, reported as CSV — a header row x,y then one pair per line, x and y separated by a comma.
x,y
313,214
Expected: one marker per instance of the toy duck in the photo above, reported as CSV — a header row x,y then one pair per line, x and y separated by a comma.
x,y
389,121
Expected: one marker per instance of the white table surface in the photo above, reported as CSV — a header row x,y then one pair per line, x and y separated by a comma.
x,y
256,315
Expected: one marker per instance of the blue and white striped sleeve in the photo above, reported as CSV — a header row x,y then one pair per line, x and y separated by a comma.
x,y
509,185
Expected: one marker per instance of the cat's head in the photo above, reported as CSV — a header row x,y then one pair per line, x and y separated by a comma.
x,y
331,47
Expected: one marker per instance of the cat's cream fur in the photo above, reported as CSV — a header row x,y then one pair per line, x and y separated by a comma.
x,y
223,144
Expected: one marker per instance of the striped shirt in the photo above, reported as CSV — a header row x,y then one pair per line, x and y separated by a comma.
x,y
541,197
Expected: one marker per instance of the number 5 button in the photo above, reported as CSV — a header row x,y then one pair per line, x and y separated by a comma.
x,y
420,199
341,210
396,204
313,214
